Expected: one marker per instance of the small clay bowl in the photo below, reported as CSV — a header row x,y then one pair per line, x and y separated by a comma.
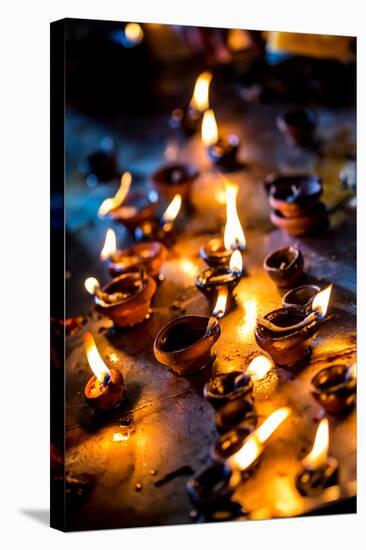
x,y
287,349
285,266
135,308
300,298
138,207
335,389
210,486
110,396
301,225
236,414
210,281
172,179
312,482
224,151
294,195
230,443
184,345
215,254
149,255
298,127
227,387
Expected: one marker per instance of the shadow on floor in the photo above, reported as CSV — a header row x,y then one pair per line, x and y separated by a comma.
x,y
42,516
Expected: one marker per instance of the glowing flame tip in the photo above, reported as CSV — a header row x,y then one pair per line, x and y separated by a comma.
x,y
321,301
96,363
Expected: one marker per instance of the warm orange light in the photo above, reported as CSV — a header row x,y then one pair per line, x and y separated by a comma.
x,y
254,444
234,234
237,39
91,284
259,367
134,33
220,307
318,454
321,300
200,99
236,261
116,201
95,361
173,209
353,371
209,131
188,267
119,436
110,245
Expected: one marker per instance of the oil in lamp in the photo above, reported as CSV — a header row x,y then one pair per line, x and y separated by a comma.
x,y
334,388
105,390
149,255
222,279
319,470
222,150
189,119
161,230
217,252
286,334
285,266
126,299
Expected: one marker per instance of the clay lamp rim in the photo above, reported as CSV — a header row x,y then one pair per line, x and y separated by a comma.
x,y
305,332
152,251
183,319
317,479
225,145
276,181
146,207
221,252
133,275
235,414
231,394
310,291
230,442
204,281
289,252
189,174
347,383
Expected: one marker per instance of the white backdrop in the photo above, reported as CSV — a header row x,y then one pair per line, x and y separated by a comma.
x,y
24,367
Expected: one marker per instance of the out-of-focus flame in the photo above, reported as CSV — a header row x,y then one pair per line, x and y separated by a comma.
x,y
220,306
200,99
110,245
134,33
259,367
188,267
237,39
121,436
318,454
209,131
353,371
236,261
321,300
95,361
116,201
173,209
234,234
253,446
91,284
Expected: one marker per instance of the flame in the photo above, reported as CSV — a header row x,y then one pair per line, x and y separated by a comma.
x,y
116,201
234,234
253,446
91,284
220,307
200,100
353,371
209,131
121,436
110,245
259,367
236,261
134,33
318,454
173,209
95,361
321,300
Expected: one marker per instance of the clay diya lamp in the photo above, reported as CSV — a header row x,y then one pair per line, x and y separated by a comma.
x,y
138,207
319,471
298,226
298,127
334,388
185,343
161,229
294,195
126,299
230,443
105,390
227,387
211,486
222,149
285,266
300,298
173,179
236,414
215,254
189,119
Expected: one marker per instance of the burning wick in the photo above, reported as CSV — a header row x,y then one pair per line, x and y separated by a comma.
x,y
105,389
172,211
116,201
259,368
319,307
93,287
219,309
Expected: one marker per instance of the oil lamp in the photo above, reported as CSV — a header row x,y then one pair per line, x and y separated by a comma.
x,y
211,487
319,470
163,229
226,387
335,388
174,178
259,368
126,299
286,334
189,119
213,281
239,413
230,442
300,298
222,150
105,390
298,127
285,266
217,252
149,255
